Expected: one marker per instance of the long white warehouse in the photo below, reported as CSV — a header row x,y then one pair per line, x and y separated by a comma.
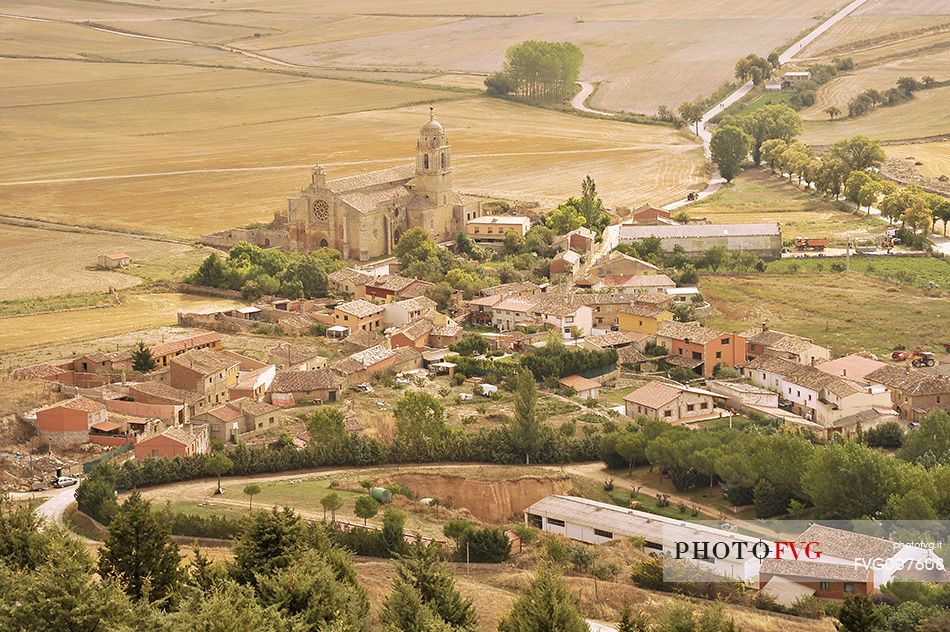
x,y
596,522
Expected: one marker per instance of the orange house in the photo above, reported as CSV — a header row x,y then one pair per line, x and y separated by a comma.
x,y
68,422
701,344
175,441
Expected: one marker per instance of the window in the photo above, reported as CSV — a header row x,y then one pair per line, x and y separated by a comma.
x,y
425,161
725,341
848,587
569,319
690,407
476,230
554,522
534,520
444,162
603,534
653,545
825,585
697,355
703,406
667,413
719,355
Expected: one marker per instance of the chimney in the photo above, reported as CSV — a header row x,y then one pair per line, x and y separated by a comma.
x,y
844,372
765,327
813,360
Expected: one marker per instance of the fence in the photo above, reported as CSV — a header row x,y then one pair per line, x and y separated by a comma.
x,y
89,465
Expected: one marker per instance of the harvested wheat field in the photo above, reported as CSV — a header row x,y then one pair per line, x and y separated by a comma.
x,y
934,158
143,154
880,23
136,312
39,262
840,90
924,116
641,54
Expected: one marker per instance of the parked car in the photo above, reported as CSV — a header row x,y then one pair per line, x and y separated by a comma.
x,y
64,481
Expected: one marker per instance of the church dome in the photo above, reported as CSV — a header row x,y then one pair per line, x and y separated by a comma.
x,y
433,126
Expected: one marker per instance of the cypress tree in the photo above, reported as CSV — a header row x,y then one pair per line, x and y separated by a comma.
x,y
138,552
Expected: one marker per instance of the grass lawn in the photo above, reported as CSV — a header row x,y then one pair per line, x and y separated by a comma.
x,y
758,196
847,311
206,510
916,271
614,396
742,108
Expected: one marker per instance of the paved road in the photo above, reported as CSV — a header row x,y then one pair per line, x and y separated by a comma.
x,y
53,509
784,57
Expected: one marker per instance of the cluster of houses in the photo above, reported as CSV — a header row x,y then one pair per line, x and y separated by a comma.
x,y
197,392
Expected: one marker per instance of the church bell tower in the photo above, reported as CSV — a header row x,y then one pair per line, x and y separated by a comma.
x,y
433,163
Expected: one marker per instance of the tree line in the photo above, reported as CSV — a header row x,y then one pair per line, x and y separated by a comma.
x,y
781,473
539,71
871,98
256,272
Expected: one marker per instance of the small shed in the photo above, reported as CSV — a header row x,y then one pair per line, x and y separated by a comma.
x,y
488,389
585,388
338,332
113,260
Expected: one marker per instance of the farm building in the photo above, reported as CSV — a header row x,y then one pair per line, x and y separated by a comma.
x,y
113,260
492,229
596,522
764,240
913,393
68,422
671,402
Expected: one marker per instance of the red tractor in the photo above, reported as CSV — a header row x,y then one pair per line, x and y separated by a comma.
x,y
918,357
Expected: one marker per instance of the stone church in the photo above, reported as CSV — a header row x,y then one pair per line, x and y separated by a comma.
x,y
363,216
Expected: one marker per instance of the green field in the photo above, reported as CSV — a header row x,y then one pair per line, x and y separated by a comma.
x,y
742,108
923,272
847,311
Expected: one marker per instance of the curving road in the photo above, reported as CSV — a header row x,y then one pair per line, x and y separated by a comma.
x,y
54,508
579,102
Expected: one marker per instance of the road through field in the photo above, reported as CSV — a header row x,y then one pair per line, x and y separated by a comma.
x,y
784,57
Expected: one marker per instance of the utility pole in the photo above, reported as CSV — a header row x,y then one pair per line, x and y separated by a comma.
x,y
847,257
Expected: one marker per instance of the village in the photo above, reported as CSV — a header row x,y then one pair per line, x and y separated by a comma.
x,y
590,318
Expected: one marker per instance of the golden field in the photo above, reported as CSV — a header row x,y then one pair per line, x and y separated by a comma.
x,y
934,157
40,262
924,116
641,54
188,150
844,87
136,312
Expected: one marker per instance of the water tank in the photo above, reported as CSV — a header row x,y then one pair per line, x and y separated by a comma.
x,y
381,495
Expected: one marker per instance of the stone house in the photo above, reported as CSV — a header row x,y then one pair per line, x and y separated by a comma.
x,y
204,371
113,260
239,416
359,315
605,307
164,352
187,403
349,282
913,393
580,240
295,357
291,388
174,441
670,401
618,264
765,341
582,387
566,262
